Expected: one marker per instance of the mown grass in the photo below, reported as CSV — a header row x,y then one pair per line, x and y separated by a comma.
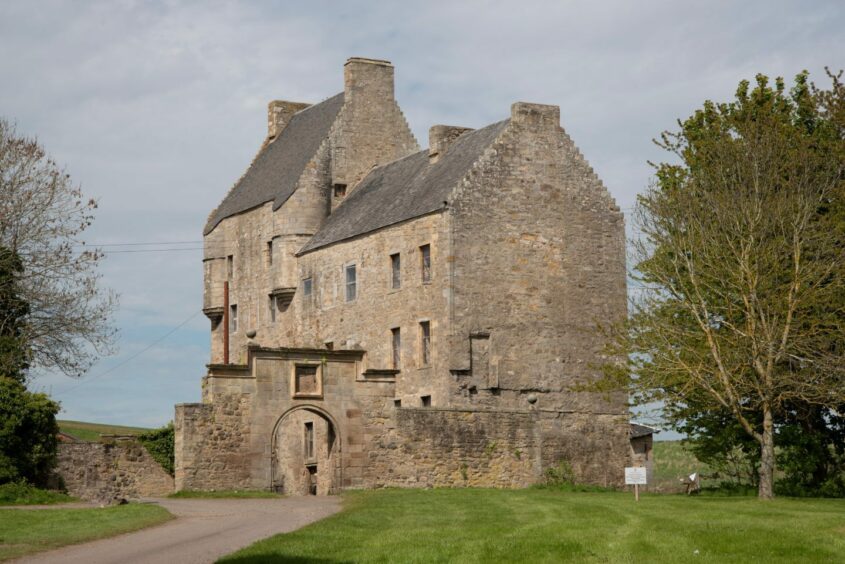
x,y
21,493
92,432
223,494
26,531
533,525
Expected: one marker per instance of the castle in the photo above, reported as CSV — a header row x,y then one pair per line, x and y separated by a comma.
x,y
383,315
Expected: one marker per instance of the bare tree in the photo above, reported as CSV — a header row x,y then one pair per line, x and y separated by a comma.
x,y
741,256
43,215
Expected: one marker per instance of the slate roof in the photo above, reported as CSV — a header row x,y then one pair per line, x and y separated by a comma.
x,y
403,189
638,430
275,171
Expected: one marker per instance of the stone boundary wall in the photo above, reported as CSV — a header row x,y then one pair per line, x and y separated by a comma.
x,y
108,471
431,447
211,443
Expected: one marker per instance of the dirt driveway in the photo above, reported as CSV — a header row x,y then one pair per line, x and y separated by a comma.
x,y
204,530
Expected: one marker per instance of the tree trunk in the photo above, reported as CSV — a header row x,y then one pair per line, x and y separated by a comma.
x,y
767,456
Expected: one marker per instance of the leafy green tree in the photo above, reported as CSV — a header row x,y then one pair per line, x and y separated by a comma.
x,y
28,432
742,255
14,352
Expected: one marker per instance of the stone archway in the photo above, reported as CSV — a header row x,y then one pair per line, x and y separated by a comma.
x,y
306,452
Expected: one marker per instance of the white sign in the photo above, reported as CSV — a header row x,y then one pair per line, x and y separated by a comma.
x,y
635,476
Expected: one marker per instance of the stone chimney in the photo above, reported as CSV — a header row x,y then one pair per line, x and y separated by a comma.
x,y
279,113
440,138
538,116
367,77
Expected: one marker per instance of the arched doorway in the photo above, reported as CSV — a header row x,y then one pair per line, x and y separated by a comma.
x,y
306,452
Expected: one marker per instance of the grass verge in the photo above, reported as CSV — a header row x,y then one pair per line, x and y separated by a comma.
x,y
24,532
470,525
224,494
21,493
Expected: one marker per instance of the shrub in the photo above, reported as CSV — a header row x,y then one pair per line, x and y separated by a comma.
x,y
28,431
22,493
159,443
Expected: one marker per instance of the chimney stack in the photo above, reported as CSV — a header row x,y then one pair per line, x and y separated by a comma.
x,y
440,138
537,116
279,113
368,77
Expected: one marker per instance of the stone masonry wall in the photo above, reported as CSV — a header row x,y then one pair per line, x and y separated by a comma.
x,y
431,447
211,444
107,471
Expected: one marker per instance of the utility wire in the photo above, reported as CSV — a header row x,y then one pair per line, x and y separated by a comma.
x,y
133,357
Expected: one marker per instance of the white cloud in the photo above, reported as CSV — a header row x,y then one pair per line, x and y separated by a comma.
x,y
157,107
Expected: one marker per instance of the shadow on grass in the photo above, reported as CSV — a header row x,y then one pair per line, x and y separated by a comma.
x,y
282,559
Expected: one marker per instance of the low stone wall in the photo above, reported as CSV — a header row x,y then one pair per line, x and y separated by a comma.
x,y
107,471
432,447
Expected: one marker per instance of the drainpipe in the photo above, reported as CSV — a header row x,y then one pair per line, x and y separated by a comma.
x,y
226,322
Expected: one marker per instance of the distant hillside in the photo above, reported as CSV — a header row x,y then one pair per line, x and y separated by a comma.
x,y
92,431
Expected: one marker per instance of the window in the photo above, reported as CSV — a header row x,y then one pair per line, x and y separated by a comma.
x,y
309,440
425,263
395,271
306,379
230,267
269,253
339,190
425,401
271,302
397,348
306,287
425,342
233,319
329,345
351,283
397,403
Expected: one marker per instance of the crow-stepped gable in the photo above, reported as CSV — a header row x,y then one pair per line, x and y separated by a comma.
x,y
383,315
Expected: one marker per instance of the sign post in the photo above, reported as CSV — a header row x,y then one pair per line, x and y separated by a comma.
x,y
634,476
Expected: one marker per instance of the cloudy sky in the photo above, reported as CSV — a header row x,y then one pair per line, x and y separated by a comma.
x,y
156,108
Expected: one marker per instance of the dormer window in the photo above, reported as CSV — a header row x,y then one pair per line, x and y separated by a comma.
x,y
340,190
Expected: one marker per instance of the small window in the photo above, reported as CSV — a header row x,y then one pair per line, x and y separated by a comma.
x,y
271,305
230,267
269,253
425,263
306,379
425,401
425,342
306,287
339,190
309,440
329,345
233,319
395,271
397,403
351,283
396,341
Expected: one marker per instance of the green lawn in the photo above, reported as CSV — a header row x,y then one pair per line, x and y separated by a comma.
x,y
474,525
26,531
92,431
225,494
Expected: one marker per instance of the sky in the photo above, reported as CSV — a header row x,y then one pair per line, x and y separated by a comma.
x,y
156,109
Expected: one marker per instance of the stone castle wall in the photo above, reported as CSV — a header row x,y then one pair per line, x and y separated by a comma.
x,y
108,471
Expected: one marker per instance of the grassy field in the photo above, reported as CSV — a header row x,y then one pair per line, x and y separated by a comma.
x,y
92,431
473,525
24,531
225,494
671,462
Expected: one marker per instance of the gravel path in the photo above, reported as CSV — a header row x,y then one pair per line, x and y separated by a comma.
x,y
204,530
